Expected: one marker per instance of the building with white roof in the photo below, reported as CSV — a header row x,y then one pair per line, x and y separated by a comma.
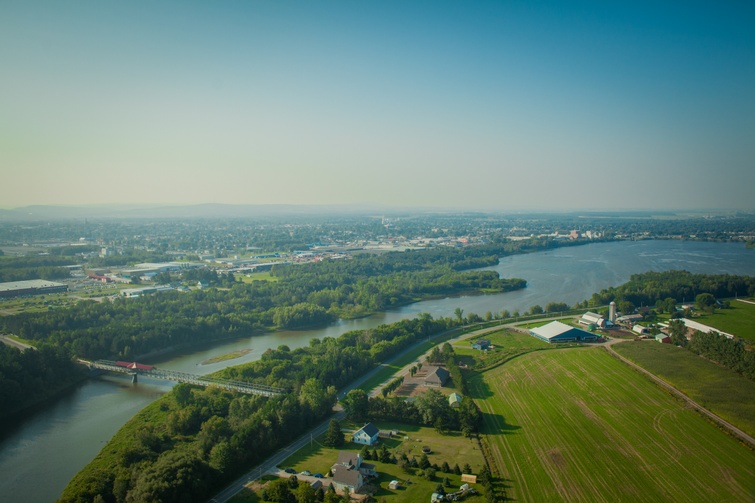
x,y
556,331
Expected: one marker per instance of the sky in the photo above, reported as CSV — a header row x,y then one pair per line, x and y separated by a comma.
x,y
504,105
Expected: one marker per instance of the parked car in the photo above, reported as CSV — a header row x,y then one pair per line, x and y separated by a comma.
x,y
305,472
290,470
317,475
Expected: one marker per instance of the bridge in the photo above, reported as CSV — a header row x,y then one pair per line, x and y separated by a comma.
x,y
136,369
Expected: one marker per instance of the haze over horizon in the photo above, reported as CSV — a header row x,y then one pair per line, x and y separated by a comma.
x,y
484,105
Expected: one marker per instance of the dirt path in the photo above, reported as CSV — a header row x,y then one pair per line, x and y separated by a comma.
x,y
717,419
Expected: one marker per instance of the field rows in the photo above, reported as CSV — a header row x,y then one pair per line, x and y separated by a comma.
x,y
578,425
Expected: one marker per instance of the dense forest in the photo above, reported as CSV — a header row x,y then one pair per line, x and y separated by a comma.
x,y
653,288
303,295
33,267
27,377
197,440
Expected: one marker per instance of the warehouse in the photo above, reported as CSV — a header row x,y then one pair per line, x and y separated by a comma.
x,y
31,287
556,331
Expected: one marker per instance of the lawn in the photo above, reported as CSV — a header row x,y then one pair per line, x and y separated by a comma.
x,y
716,388
578,425
507,344
454,449
738,320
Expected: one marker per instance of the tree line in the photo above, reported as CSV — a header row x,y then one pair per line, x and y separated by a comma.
x,y
193,441
302,296
731,353
28,377
654,288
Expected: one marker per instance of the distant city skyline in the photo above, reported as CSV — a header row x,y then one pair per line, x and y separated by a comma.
x,y
483,105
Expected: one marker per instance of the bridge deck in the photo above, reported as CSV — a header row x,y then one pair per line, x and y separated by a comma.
x,y
171,375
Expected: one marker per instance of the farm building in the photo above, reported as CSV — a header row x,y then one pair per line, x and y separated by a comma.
x,y
590,318
639,329
454,400
481,344
366,435
663,338
436,377
703,328
556,331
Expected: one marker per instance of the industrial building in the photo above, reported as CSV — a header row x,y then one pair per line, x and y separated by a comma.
x,y
31,287
556,331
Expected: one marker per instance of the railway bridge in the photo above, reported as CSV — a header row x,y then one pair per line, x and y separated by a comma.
x,y
136,369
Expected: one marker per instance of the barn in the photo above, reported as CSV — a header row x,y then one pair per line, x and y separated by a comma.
x,y
556,331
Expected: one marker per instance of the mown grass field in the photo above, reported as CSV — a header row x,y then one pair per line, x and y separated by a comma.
x,y
453,449
578,425
738,320
507,344
716,388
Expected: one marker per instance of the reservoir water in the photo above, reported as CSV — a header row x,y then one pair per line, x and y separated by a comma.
x,y
42,451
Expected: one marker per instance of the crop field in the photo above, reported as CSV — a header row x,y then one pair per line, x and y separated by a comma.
x,y
578,425
738,320
716,388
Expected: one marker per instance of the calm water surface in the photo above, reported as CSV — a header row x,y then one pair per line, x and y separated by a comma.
x,y
42,451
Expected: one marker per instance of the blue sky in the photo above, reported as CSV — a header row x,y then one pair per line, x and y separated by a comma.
x,y
487,105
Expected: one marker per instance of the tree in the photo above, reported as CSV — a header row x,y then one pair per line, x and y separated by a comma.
x,y
278,491
678,332
334,437
432,405
459,312
356,405
536,309
305,493
705,302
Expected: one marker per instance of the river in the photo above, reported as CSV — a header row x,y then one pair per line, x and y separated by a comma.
x,y
41,451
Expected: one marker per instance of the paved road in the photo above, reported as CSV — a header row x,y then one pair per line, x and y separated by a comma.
x,y
14,343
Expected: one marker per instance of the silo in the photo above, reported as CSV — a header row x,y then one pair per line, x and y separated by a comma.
x,y
612,312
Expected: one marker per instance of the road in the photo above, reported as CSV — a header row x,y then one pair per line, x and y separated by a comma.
x,y
271,464
273,461
717,419
14,343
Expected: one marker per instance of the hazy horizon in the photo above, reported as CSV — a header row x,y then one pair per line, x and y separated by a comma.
x,y
490,106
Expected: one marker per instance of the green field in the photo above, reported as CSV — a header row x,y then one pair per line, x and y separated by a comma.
x,y
507,344
578,425
716,388
450,448
739,320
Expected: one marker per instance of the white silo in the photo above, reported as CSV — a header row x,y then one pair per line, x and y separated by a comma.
x,y
612,312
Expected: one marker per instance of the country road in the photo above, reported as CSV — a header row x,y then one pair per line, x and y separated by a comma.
x,y
271,464
717,419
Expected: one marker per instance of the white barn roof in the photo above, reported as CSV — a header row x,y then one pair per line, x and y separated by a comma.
x,y
557,331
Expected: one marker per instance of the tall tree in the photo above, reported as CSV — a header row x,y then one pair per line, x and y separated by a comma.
x,y
356,405
334,436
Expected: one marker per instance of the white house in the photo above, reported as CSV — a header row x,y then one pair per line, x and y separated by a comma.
x,y
366,435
